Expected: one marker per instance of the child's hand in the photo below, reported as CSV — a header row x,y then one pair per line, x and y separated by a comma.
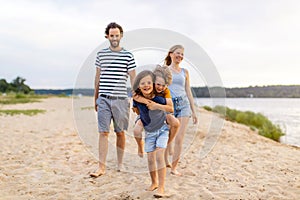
x,y
152,105
135,96
136,110
133,93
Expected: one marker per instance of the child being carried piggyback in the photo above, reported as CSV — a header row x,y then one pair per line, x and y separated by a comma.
x,y
156,130
163,78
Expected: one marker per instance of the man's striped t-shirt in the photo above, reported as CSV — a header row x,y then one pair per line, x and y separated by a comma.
x,y
114,67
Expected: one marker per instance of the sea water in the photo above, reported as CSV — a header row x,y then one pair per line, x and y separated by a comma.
x,y
284,112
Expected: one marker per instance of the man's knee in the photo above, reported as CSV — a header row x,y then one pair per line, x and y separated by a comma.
x,y
120,134
104,134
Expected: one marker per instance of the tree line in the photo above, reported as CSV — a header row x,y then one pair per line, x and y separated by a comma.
x,y
17,85
272,91
278,91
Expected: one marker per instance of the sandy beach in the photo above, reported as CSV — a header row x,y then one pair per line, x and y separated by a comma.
x,y
50,156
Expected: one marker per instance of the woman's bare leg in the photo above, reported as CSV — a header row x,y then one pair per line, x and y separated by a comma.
x,y
178,144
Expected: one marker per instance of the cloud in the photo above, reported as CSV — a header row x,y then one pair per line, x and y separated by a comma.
x,y
250,42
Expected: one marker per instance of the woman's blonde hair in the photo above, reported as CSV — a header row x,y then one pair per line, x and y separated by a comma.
x,y
168,59
163,72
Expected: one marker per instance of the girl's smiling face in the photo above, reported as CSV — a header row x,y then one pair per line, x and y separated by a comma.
x,y
160,84
146,85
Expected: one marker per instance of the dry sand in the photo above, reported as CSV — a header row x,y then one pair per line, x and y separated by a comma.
x,y
44,157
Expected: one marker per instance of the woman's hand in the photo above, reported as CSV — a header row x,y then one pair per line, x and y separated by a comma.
x,y
195,119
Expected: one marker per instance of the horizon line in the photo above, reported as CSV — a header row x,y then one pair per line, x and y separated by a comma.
x,y
272,85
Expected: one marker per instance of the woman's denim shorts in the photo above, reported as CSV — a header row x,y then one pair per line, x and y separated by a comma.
x,y
181,106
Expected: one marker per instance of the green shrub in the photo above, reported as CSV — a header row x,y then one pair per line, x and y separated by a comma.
x,y
207,108
254,120
231,114
220,110
271,131
62,95
20,96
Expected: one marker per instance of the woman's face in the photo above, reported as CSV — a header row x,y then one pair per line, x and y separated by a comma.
x,y
146,85
160,84
177,56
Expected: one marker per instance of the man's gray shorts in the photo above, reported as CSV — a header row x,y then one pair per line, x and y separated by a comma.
x,y
115,109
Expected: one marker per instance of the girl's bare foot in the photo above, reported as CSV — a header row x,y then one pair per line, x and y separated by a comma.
x,y
98,173
152,187
176,173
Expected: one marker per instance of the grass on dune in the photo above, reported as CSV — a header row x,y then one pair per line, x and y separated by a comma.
x,y
254,120
16,98
19,98
29,112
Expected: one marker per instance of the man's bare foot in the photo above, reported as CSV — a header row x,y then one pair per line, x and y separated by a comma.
x,y
176,173
98,173
120,168
168,165
141,150
160,193
152,187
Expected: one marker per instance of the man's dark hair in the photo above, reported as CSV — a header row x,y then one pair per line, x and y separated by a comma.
x,y
113,25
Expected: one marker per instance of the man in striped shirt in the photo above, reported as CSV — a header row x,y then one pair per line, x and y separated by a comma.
x,y
113,65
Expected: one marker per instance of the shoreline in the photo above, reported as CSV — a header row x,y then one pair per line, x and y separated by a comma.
x,y
43,157
282,112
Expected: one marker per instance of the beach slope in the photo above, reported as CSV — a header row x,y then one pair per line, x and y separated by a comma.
x,y
48,156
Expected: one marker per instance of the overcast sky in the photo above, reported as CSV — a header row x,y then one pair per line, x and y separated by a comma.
x,y
251,42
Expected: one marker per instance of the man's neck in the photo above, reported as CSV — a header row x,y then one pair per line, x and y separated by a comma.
x,y
115,48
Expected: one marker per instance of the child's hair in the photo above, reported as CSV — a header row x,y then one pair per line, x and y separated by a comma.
x,y
138,79
163,72
168,60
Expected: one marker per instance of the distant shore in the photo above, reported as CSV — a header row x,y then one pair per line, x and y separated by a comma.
x,y
276,91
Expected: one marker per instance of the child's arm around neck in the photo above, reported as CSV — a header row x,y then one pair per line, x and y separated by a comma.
x,y
141,99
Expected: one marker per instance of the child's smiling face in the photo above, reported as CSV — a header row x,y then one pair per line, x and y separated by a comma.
x,y
146,85
160,84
